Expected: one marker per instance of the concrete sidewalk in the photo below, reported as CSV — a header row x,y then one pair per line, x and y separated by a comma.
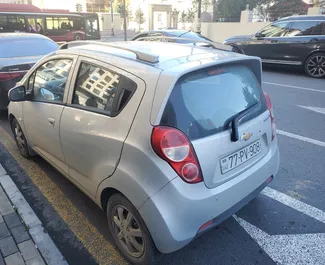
x,y
23,239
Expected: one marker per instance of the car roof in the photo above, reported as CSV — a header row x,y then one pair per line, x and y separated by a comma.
x,y
170,54
21,36
302,18
180,31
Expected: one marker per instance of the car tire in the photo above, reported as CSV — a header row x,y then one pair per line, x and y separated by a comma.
x,y
315,65
20,138
136,246
77,37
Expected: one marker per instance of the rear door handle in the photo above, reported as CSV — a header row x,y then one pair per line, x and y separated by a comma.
x,y
51,121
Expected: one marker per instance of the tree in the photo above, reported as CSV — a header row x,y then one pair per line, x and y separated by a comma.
x,y
183,19
139,17
190,15
206,4
118,6
230,10
284,8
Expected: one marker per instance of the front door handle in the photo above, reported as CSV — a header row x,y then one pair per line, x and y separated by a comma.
x,y
51,121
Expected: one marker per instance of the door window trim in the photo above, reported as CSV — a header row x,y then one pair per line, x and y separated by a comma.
x,y
73,58
278,22
106,66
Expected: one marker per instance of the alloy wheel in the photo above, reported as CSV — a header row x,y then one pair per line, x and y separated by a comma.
x,y
316,66
128,231
20,137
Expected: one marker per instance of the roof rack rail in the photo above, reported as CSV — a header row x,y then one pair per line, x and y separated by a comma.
x,y
215,45
143,56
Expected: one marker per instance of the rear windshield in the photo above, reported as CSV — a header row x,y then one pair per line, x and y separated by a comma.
x,y
23,48
202,102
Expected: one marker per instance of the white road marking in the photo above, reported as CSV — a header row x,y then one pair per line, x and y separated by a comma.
x,y
299,206
293,249
296,87
315,109
301,138
300,249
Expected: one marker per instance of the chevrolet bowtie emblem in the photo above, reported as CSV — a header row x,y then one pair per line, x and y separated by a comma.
x,y
246,136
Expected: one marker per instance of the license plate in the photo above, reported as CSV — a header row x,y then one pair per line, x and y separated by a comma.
x,y
236,159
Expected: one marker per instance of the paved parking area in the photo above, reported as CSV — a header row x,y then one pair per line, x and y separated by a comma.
x,y
16,245
284,225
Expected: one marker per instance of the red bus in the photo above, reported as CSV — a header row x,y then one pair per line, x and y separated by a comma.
x,y
57,26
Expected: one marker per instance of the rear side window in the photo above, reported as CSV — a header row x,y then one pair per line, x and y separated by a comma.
x,y
302,28
203,102
103,90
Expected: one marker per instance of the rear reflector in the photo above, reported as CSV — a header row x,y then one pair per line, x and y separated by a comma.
x,y
207,224
269,180
270,108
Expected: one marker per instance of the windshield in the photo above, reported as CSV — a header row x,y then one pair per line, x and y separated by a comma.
x,y
17,48
202,102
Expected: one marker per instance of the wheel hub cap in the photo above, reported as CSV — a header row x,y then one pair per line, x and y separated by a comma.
x,y
128,231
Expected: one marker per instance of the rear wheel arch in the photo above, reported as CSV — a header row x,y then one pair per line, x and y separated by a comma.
x,y
106,194
312,53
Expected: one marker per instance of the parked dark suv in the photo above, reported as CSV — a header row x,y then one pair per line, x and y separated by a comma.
x,y
294,41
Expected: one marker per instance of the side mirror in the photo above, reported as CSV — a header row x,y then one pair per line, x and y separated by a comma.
x,y
47,94
259,35
17,93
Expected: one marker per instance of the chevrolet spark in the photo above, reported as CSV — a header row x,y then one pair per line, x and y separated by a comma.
x,y
169,140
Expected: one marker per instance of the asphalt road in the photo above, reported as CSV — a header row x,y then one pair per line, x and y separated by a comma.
x,y
285,224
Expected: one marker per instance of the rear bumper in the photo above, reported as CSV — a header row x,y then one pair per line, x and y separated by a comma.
x,y
175,214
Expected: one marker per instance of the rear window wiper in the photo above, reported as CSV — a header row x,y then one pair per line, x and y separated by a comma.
x,y
234,120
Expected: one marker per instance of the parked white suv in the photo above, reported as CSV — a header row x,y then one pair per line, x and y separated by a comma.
x,y
169,140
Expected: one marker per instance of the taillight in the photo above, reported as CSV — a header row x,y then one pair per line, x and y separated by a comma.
x,y
8,76
270,108
174,147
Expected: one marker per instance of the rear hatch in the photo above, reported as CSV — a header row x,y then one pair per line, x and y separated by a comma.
x,y
204,105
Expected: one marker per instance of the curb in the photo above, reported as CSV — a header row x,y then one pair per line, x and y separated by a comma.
x,y
43,241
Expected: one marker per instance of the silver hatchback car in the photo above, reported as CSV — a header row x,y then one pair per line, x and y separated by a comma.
x,y
169,140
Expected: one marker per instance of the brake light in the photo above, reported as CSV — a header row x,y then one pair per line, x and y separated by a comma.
x,y
270,108
174,147
4,76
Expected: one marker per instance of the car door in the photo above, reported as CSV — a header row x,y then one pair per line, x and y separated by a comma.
x,y
47,93
101,107
268,43
303,37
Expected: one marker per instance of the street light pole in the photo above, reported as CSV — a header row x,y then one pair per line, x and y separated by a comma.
x,y
198,22
112,18
124,24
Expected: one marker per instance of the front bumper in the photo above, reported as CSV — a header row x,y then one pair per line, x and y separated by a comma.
x,y
175,214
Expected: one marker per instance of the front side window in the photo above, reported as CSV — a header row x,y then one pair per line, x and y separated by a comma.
x,y
3,23
16,23
275,30
302,28
50,79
